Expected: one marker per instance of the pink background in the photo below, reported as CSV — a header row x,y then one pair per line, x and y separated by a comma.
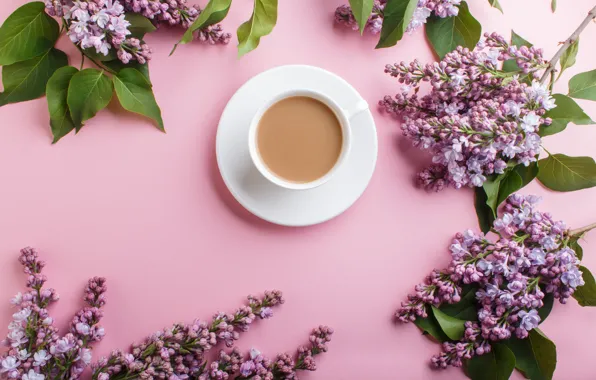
x,y
150,212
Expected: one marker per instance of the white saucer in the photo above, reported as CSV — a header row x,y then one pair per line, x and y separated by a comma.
x,y
276,204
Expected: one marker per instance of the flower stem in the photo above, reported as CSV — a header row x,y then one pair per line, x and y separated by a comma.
x,y
582,230
553,62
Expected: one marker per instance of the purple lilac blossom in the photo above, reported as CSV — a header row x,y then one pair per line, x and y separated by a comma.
x,y
441,8
179,352
476,120
529,259
36,351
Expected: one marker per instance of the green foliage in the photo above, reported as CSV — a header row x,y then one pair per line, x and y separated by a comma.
x,y
90,91
567,111
485,214
398,14
56,92
583,86
535,356
516,40
139,25
430,326
495,4
215,11
586,294
261,23
563,173
452,327
361,10
498,364
446,34
136,94
569,56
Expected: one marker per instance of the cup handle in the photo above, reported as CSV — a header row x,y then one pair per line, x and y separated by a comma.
x,y
361,106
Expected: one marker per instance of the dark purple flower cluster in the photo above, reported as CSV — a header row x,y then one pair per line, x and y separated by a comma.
x,y
477,118
36,351
179,352
530,258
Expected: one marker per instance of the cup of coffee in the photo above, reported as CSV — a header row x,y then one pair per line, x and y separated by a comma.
x,y
300,138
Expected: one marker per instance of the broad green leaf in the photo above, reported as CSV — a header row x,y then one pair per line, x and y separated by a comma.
x,y
139,24
491,189
27,80
430,326
567,111
466,308
56,93
485,215
498,364
586,294
361,10
516,40
563,173
495,4
452,327
27,33
574,244
553,5
535,356
89,92
509,185
118,66
136,95
446,34
568,57
545,310
261,23
527,173
214,12
583,85
397,16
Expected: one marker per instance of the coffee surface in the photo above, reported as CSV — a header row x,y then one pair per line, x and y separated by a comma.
x,y
299,139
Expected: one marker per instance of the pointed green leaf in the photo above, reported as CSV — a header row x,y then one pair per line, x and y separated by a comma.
x,y
260,24
536,356
139,24
27,33
214,12
568,57
136,95
574,244
563,173
583,85
586,294
430,326
485,215
548,302
516,40
509,185
446,34
361,10
491,189
452,327
56,93
397,16
27,80
89,92
527,173
495,4
118,66
466,308
553,5
567,111
498,364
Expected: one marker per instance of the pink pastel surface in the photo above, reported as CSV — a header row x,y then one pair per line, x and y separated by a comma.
x,y
150,211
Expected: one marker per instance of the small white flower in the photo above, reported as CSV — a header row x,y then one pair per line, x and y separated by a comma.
x,y
22,315
16,338
17,299
530,122
10,363
86,356
254,353
513,108
41,358
23,355
457,79
101,18
32,375
548,103
477,179
537,91
48,321
83,328
492,56
406,88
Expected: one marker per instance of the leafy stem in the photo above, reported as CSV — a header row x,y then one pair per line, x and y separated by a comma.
x,y
582,230
568,42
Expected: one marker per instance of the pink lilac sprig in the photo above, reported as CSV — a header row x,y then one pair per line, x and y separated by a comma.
x,y
530,258
36,351
441,8
477,119
179,352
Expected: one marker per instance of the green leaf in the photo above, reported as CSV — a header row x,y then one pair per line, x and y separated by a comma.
x,y
466,308
484,213
586,294
397,16
261,23
553,5
568,57
214,12
498,364
93,54
527,173
563,173
139,25
536,356
136,95
89,92
430,326
491,189
574,244
516,40
56,92
511,183
583,85
495,4
567,111
118,66
27,80
27,33
545,310
446,34
452,327
361,10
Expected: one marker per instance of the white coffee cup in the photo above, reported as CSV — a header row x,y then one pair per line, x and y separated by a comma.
x,y
342,115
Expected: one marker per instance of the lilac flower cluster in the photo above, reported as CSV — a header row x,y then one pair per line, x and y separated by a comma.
x,y
531,258
477,118
441,8
179,352
36,351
